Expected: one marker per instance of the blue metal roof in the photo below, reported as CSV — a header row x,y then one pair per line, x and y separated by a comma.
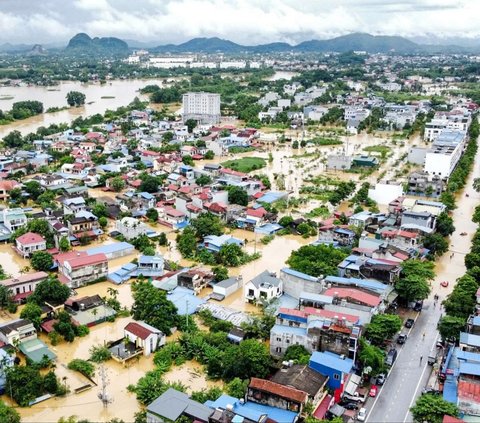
x,y
298,274
272,196
184,300
252,410
470,339
332,361
470,369
315,297
468,356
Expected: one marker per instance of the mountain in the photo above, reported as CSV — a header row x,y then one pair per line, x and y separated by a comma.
x,y
37,50
342,44
84,44
361,42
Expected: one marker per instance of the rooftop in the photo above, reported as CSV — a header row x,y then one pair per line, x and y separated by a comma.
x,y
278,389
332,361
300,377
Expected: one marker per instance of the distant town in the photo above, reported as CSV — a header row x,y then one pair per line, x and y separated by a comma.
x,y
282,236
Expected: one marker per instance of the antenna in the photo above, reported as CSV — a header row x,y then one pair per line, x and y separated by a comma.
x,y
103,395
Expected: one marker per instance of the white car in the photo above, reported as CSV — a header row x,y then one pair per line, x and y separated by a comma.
x,y
362,414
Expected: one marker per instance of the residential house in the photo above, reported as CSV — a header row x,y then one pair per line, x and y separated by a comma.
x,y
5,187
194,280
77,268
74,205
294,282
144,336
14,218
214,243
84,225
17,331
273,394
131,228
335,366
24,285
227,287
263,287
29,243
173,404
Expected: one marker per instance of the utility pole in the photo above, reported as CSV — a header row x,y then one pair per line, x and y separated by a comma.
x,y
103,395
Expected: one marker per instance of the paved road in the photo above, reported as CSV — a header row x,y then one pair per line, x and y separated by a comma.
x,y
408,377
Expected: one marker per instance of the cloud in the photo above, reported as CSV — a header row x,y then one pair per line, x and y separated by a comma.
x,y
243,21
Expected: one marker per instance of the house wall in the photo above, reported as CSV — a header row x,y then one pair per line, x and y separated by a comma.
x,y
280,341
294,286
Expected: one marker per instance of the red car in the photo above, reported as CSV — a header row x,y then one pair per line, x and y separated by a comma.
x,y
373,391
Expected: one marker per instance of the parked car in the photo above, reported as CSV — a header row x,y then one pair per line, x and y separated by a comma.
x,y
431,391
402,338
381,379
373,391
391,357
362,414
350,405
409,323
418,306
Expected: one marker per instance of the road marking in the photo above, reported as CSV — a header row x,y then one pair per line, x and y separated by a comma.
x,y
419,382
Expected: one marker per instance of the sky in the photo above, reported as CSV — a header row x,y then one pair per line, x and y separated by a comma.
x,y
247,22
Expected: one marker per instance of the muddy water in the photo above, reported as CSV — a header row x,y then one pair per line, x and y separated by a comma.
x,y
11,262
115,93
191,375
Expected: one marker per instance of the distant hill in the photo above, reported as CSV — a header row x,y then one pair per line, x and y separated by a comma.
x,y
342,44
83,43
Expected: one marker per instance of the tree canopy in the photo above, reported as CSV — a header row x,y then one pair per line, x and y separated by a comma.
x,y
75,98
382,327
431,409
316,260
52,291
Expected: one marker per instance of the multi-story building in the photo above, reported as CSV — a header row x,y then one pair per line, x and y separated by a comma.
x,y
202,107
29,243
16,331
24,285
445,153
77,268
14,219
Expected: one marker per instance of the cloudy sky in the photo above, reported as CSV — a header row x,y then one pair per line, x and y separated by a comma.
x,y
242,21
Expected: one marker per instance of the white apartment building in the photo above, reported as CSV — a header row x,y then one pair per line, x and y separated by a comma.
x,y
445,153
455,120
202,107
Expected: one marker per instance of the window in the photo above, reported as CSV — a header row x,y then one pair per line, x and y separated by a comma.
x,y
288,341
278,350
336,376
279,339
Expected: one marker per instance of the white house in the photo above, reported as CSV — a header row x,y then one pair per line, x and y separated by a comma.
x,y
144,336
385,192
228,286
130,227
18,330
14,219
445,153
263,287
29,243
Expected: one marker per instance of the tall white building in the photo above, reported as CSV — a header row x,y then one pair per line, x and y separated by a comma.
x,y
202,107
445,153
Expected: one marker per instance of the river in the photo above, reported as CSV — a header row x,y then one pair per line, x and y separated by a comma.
x,y
99,98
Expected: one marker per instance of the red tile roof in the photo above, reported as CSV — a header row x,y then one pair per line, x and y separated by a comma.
x,y
401,256
279,390
260,212
30,238
354,294
88,260
217,208
138,330
6,185
232,172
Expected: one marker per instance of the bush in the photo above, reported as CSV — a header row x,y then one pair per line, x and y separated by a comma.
x,y
82,366
99,354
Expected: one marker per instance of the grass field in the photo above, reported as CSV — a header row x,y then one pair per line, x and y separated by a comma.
x,y
245,164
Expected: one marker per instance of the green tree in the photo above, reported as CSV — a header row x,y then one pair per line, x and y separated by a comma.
x,y
99,210
220,273
450,327
316,260
152,306
117,184
103,222
52,291
6,297
162,239
237,387
249,359
382,327
24,384
295,145
41,260
230,255
152,215
413,287
445,225
33,188
209,155
63,244
298,353
32,312
461,300
207,224
286,221
149,184
371,356
8,414
203,180
237,195
424,269
99,354
431,409
187,159
436,243
13,140
191,124
75,98
476,184
187,243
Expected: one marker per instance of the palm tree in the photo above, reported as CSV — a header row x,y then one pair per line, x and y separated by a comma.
x,y
112,292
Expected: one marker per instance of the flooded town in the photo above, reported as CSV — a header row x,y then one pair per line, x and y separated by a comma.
x,y
216,232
